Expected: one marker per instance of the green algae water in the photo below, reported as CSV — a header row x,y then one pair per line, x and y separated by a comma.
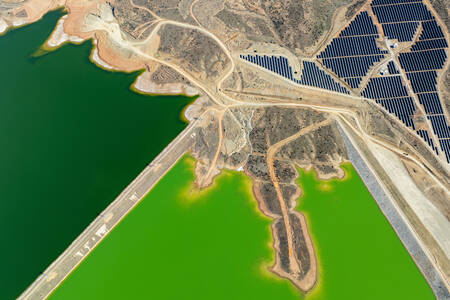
x,y
179,243
183,244
72,137
359,254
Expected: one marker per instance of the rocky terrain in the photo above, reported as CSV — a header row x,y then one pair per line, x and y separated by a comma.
x,y
247,119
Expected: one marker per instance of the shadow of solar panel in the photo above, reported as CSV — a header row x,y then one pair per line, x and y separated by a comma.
x,y
392,68
440,127
445,146
424,135
431,103
424,60
385,87
351,66
429,44
402,13
361,25
352,46
403,32
353,81
423,81
387,2
431,30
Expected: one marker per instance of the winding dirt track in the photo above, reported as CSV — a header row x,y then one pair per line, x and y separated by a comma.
x,y
295,263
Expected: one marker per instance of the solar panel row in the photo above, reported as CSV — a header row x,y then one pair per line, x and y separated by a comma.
x,y
355,51
445,146
431,30
424,60
387,2
403,32
424,134
361,25
431,103
392,68
403,108
428,55
279,65
352,46
440,127
385,87
429,44
423,81
353,81
311,76
351,66
402,13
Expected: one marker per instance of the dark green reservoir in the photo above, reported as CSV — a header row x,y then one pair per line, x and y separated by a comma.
x,y
72,137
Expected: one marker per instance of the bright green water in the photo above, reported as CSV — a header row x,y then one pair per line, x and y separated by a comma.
x,y
215,244
72,136
182,244
360,256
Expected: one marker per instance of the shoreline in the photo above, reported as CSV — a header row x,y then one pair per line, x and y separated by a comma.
x,y
112,215
395,217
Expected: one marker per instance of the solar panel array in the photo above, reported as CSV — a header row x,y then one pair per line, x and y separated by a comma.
x,y
424,134
392,68
392,94
431,59
351,55
312,75
445,146
279,65
429,44
431,103
402,108
431,30
401,12
423,81
401,20
385,87
362,25
421,61
403,32
354,52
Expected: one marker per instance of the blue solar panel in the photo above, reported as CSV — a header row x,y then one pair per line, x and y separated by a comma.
x,y
431,103
361,25
426,137
440,127
431,30
355,66
424,60
429,44
392,68
385,87
445,146
352,46
387,2
353,81
403,32
313,76
402,13
423,81
403,108
279,65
